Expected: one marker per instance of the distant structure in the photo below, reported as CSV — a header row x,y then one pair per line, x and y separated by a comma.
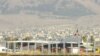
x,y
77,33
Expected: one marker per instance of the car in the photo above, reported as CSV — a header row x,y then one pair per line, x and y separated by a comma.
x,y
4,50
89,49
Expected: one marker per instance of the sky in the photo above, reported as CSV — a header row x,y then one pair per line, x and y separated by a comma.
x,y
27,13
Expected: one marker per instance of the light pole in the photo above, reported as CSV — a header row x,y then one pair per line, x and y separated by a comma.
x,y
94,48
56,48
64,47
5,41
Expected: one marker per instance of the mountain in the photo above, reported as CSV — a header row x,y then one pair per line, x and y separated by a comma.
x,y
55,7
9,22
26,13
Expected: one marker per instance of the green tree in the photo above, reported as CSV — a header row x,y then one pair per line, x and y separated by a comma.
x,y
11,39
84,38
92,40
28,38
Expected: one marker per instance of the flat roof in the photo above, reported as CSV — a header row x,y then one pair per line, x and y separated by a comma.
x,y
40,41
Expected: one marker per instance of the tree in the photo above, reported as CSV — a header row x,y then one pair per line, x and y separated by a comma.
x,y
28,38
84,38
92,40
11,39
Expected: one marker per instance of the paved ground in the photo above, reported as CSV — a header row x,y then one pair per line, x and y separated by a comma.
x,y
5,54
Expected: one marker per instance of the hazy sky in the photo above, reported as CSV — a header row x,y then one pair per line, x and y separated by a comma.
x,y
24,13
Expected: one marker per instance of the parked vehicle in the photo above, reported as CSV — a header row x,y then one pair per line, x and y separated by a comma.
x,y
4,50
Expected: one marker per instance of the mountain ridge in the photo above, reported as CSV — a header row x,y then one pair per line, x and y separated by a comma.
x,y
27,13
